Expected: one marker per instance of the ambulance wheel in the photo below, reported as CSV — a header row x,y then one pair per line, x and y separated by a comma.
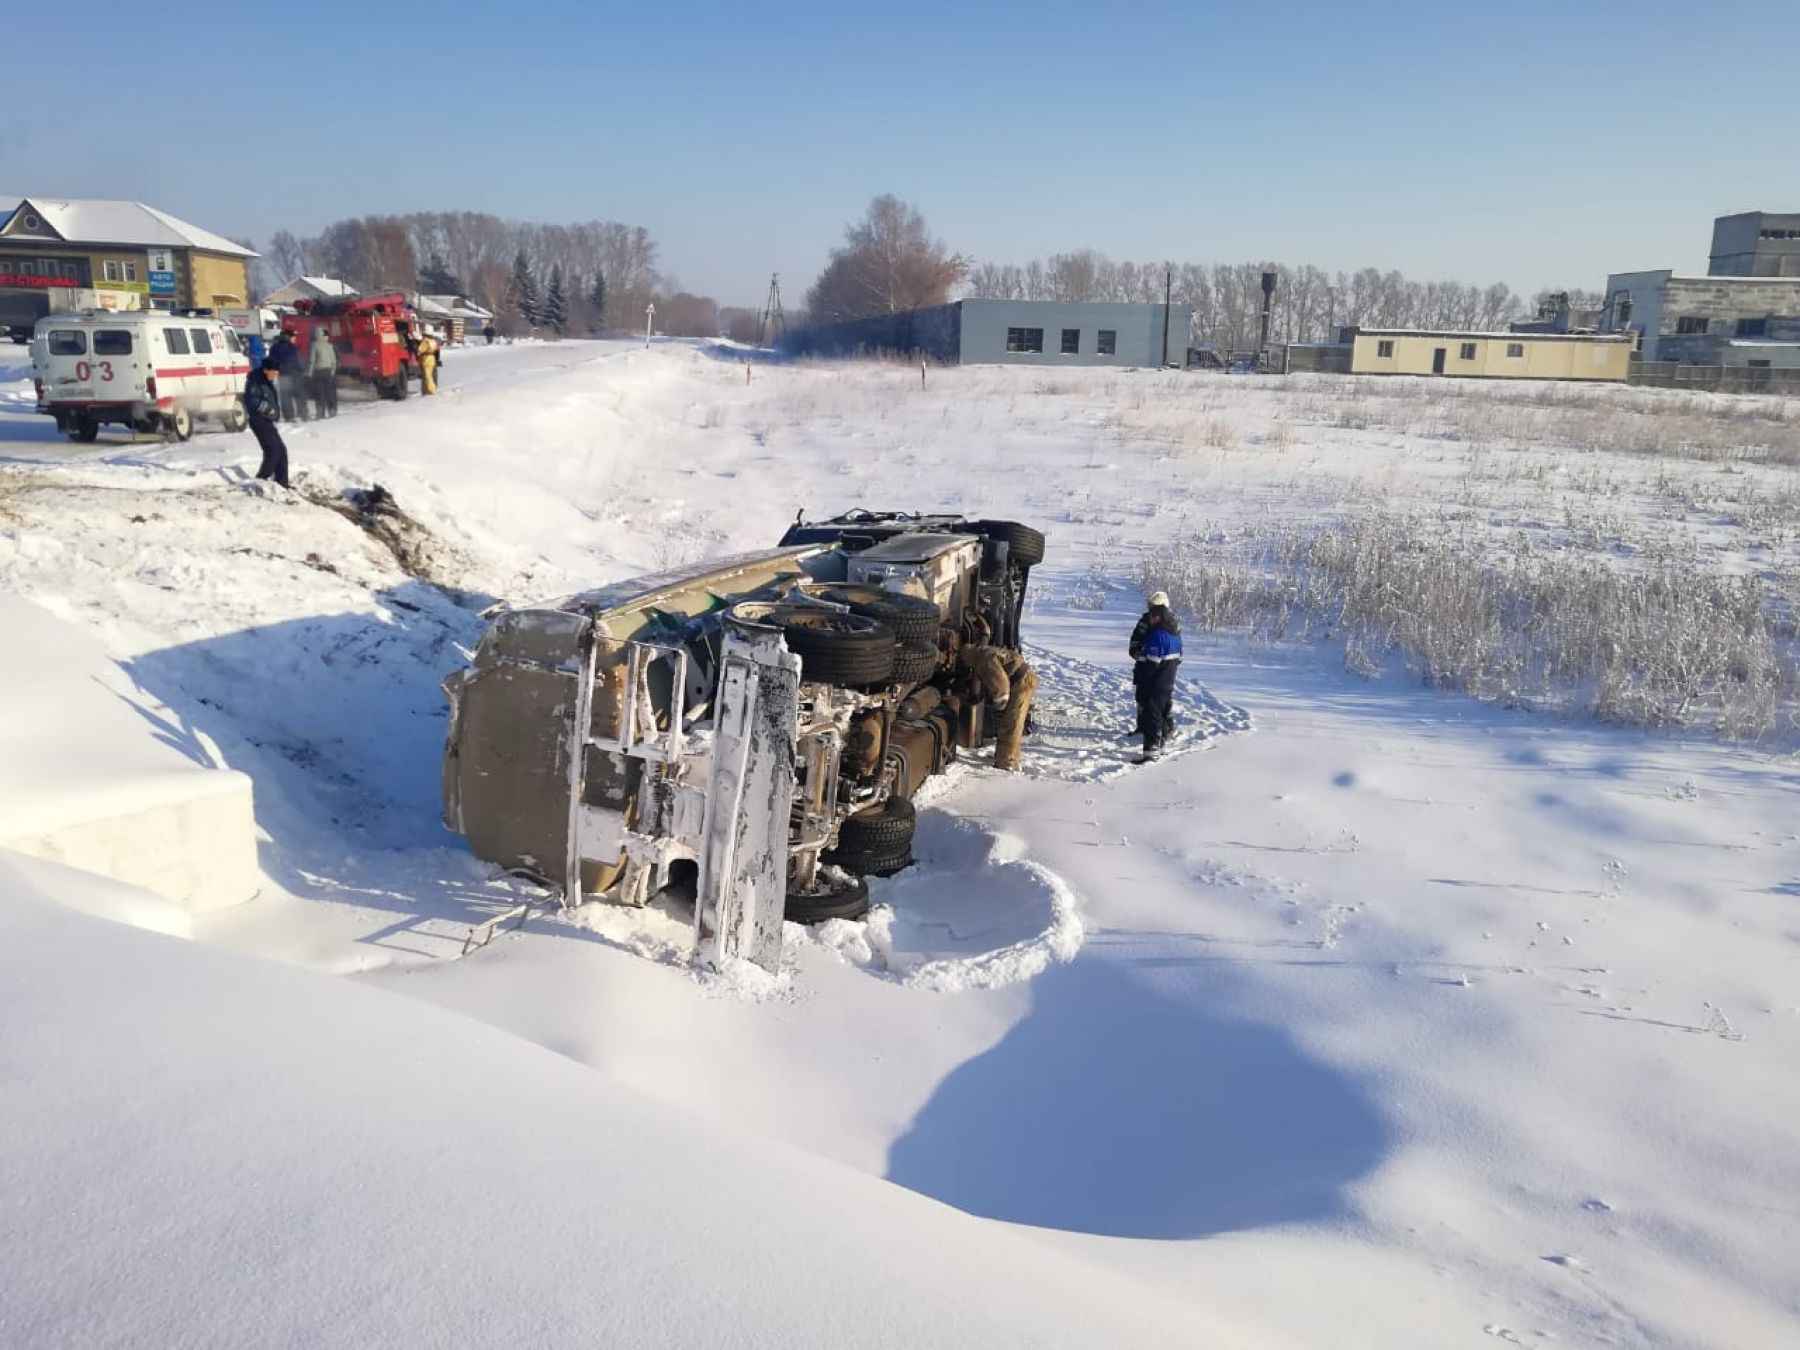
x,y
236,420
84,429
181,424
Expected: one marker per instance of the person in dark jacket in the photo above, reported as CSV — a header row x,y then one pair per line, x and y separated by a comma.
x,y
290,376
262,403
1156,657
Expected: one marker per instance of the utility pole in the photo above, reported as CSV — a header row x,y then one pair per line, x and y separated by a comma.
x,y
772,327
1168,300
649,318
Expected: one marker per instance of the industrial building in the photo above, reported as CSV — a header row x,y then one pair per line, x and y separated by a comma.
x,y
1708,321
1012,332
1505,356
59,254
1755,244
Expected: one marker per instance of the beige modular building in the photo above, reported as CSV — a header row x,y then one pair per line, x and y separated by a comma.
x,y
1492,356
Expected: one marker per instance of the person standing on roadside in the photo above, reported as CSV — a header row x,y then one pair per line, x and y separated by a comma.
x,y
262,404
428,363
1155,650
290,375
322,367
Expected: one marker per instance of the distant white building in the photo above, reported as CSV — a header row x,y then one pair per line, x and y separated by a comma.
x,y
451,316
310,288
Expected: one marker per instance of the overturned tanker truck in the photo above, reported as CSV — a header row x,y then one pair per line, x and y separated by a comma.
x,y
758,723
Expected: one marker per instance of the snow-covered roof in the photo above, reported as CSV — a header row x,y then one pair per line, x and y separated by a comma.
x,y
451,306
116,222
310,288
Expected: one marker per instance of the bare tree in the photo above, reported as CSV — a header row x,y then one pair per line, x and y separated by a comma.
x,y
285,255
889,262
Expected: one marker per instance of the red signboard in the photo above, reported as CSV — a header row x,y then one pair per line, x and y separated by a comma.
x,y
20,279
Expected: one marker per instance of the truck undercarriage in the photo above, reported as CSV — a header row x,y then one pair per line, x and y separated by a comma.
x,y
760,722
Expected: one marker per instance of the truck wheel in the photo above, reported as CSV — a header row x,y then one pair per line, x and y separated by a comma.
x,y
913,618
1024,545
400,387
181,424
879,830
914,663
846,650
846,899
84,430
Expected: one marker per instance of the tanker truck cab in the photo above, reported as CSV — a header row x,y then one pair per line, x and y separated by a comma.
x,y
152,371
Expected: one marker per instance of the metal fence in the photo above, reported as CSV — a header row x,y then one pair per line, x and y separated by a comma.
x,y
1716,379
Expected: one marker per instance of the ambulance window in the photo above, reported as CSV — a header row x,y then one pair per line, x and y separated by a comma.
x,y
231,342
176,341
112,342
68,342
202,343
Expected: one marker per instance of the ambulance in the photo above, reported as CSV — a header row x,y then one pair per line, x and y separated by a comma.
x,y
154,371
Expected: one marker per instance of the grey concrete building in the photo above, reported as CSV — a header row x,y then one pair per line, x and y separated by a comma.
x,y
1711,320
1755,244
1012,332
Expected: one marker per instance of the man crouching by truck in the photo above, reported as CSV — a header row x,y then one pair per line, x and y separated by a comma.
x,y
1009,684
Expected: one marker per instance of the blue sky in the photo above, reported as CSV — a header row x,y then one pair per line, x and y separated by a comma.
x,y
1527,142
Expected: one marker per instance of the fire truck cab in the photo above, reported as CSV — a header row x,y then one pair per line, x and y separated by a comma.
x,y
374,336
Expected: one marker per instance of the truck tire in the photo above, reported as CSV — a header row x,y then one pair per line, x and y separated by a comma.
x,y
1024,545
846,650
400,387
845,900
84,430
913,618
878,832
914,663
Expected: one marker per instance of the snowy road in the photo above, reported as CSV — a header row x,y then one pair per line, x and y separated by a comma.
x,y
1391,1019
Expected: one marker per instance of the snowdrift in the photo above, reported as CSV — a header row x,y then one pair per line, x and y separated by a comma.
x,y
333,1164
95,775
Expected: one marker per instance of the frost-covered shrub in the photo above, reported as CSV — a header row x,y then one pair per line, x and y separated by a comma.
x,y
1664,641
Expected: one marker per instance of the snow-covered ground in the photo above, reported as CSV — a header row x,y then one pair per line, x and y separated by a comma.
x,y
1372,1016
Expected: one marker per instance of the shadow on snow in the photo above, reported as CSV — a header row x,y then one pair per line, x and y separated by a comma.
x,y
1115,1109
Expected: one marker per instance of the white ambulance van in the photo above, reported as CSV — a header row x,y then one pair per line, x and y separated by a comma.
x,y
151,370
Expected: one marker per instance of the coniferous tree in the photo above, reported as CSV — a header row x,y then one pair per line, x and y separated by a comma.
x,y
524,291
596,299
555,312
437,279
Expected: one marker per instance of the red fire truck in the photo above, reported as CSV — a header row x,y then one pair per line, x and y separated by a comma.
x,y
374,336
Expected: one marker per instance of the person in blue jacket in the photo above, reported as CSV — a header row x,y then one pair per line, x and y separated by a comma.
x,y
1156,658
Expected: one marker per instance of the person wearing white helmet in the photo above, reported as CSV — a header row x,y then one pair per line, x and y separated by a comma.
x,y
1155,650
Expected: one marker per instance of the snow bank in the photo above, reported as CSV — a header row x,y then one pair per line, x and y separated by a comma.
x,y
96,775
206,1149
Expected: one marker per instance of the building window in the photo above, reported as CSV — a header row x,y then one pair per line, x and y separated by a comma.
x,y
1468,351
1107,344
130,270
202,341
176,341
112,342
68,342
1024,339
1753,328
32,223
111,270
1515,350
1689,324
1384,348
1071,342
